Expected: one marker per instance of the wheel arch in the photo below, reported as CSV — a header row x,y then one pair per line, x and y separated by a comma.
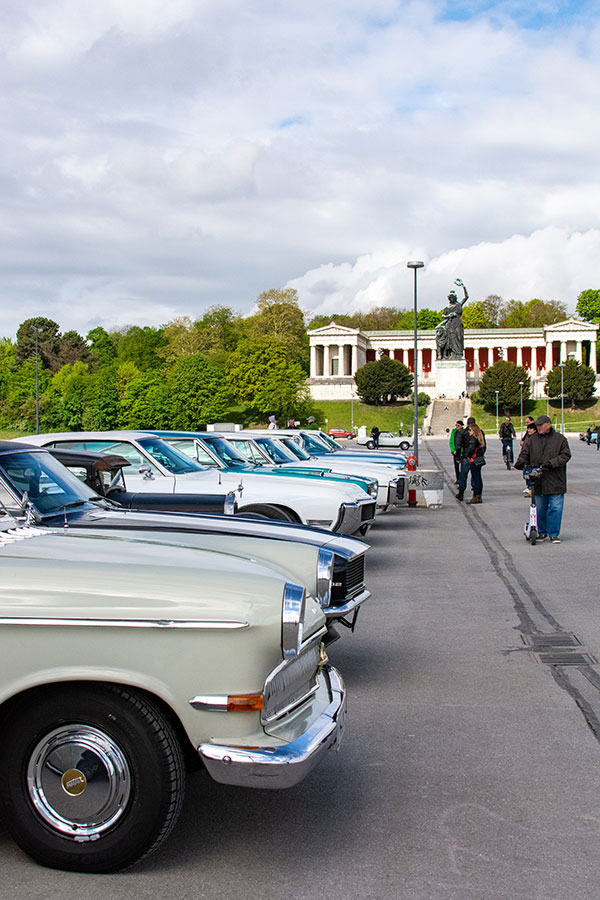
x,y
285,510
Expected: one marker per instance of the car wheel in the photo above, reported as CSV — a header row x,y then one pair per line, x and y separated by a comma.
x,y
266,511
404,445
370,445
91,778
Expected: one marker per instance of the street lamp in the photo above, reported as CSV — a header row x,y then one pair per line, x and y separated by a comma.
x,y
414,266
37,389
521,386
497,423
562,398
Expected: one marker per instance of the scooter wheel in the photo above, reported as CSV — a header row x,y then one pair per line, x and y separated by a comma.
x,y
533,536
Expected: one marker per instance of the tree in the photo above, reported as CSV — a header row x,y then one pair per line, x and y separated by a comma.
x,y
322,319
279,317
48,336
102,346
197,393
427,319
532,314
504,377
383,381
141,346
476,315
219,330
182,339
143,400
67,398
72,348
588,305
261,374
577,381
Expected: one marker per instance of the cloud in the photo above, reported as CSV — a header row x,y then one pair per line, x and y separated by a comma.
x,y
159,158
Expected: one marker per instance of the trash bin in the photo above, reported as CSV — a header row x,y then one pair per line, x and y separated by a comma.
x,y
429,483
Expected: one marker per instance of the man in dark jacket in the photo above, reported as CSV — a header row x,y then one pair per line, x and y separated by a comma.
x,y
507,434
549,451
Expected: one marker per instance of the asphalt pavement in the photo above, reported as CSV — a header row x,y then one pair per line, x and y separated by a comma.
x,y
470,766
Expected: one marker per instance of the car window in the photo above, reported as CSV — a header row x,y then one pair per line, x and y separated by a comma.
x,y
49,485
249,451
192,449
276,451
226,452
7,500
294,448
313,445
172,459
123,448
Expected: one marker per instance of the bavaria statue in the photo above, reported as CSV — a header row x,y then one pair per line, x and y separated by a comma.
x,y
450,333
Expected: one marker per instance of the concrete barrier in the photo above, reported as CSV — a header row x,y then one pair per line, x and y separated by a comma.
x,y
430,484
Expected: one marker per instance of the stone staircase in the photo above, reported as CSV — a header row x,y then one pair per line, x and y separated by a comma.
x,y
442,414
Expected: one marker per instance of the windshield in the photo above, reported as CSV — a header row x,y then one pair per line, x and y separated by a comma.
x,y
173,461
294,448
277,452
329,441
314,444
227,453
49,485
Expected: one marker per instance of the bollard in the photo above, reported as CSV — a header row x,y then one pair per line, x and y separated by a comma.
x,y
411,465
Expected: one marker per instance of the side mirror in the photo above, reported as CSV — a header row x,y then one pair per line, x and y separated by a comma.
x,y
146,471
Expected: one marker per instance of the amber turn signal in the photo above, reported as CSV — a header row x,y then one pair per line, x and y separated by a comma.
x,y
245,702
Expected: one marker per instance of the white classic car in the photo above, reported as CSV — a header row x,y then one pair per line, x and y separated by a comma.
x,y
158,466
126,656
386,439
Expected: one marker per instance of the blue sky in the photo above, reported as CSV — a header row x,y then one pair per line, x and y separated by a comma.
x,y
160,158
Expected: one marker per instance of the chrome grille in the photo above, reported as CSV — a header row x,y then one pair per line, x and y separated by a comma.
x,y
401,488
348,579
367,511
291,683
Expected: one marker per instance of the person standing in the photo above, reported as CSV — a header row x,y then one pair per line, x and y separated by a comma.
x,y
531,429
272,423
456,440
507,434
549,451
473,459
375,437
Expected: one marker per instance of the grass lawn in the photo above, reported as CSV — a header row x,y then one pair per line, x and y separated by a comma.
x,y
578,420
342,414
7,435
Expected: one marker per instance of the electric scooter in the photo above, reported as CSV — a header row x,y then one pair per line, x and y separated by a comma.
x,y
530,528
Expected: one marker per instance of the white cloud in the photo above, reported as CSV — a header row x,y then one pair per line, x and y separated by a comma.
x,y
159,158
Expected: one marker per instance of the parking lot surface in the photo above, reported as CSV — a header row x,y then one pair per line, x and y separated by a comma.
x,y
470,766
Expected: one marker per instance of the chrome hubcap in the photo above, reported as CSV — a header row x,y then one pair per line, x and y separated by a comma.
x,y
79,781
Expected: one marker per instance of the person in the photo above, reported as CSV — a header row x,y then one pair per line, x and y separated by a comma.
x,y
375,436
473,460
531,429
456,440
588,435
549,451
529,420
272,423
506,434
453,335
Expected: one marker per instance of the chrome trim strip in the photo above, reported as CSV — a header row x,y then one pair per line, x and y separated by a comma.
x,y
214,703
292,617
336,612
325,562
208,624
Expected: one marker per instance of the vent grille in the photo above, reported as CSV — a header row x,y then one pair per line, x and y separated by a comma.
x,y
367,511
348,579
559,649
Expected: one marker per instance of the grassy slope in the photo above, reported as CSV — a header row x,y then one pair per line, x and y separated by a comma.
x,y
338,414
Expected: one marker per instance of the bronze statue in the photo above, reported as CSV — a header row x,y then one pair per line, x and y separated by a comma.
x,y
450,333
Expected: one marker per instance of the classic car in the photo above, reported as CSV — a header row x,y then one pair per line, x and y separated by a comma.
x,y
127,657
330,566
157,466
219,451
341,433
392,478
105,474
386,439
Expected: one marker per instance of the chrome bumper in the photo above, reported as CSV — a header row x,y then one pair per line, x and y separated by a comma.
x,y
352,516
338,612
287,764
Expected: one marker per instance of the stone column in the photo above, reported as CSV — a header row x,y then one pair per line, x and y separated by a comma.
x,y
579,351
327,360
354,364
563,351
548,356
313,361
519,356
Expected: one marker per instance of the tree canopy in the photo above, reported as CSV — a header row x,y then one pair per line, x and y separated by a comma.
x,y
588,305
576,381
383,381
504,377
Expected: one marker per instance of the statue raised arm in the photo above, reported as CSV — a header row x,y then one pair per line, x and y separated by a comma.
x,y
452,320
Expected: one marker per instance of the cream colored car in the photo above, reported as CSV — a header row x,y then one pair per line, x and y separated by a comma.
x,y
124,656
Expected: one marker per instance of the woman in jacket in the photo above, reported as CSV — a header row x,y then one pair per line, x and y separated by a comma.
x,y
473,461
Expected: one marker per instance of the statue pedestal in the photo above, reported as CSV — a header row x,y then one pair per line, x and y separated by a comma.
x,y
450,378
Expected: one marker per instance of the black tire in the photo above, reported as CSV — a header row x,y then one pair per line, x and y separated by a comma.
x,y
533,536
266,511
404,445
370,445
91,778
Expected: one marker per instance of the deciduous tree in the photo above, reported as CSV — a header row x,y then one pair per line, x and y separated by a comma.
x,y
504,377
576,380
261,374
588,305
383,381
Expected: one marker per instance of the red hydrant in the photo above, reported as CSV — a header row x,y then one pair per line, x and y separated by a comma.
x,y
411,465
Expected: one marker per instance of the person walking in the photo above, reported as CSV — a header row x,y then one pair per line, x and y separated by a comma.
x,y
507,434
457,436
549,451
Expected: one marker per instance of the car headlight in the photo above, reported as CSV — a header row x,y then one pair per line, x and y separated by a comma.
x,y
373,488
231,506
292,617
324,576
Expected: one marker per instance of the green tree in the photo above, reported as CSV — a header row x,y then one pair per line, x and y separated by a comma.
x,y
141,346
7,364
102,411
102,346
476,315
383,381
280,318
182,339
427,319
532,314
578,382
19,408
318,321
48,336
197,392
67,398
261,374
504,377
143,400
588,305
219,330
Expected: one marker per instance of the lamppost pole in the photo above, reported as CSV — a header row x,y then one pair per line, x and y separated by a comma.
x,y
414,266
497,423
562,398
521,387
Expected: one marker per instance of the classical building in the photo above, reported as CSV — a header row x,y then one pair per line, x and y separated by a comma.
x,y
337,352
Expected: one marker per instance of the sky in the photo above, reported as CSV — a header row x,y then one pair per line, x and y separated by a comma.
x,y
158,157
